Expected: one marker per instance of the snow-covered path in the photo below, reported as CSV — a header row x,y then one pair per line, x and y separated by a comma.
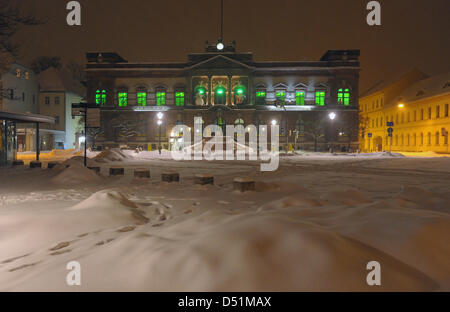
x,y
313,224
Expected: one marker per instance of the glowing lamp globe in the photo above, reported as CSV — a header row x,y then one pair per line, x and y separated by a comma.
x,y
332,116
160,115
220,46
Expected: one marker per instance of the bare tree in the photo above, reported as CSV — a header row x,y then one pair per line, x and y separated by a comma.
x,y
42,63
314,128
10,21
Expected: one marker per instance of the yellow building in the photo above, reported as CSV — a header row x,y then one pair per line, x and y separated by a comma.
x,y
417,105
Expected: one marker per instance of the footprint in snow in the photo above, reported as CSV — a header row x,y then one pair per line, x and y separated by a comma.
x,y
60,246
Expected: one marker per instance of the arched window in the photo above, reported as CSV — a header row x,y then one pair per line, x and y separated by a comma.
x,y
344,96
141,95
240,95
407,140
437,138
160,97
200,94
320,97
414,139
179,98
261,97
402,140
239,121
122,97
421,139
100,97
300,97
280,96
220,95
429,138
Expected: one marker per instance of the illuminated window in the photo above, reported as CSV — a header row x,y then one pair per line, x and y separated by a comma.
x,y
123,99
320,98
344,97
281,96
18,73
160,98
438,111
142,98
27,75
260,97
300,98
179,98
446,110
100,97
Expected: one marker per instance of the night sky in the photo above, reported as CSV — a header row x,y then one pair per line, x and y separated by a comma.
x,y
414,33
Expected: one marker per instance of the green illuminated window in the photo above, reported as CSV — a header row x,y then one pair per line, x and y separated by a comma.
x,y
260,97
179,98
142,98
123,99
344,97
281,95
300,97
100,97
320,98
160,98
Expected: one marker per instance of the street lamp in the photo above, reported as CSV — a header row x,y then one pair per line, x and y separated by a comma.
x,y
332,117
274,122
159,122
401,105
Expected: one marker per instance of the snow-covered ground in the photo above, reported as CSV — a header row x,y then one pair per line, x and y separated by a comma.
x,y
313,224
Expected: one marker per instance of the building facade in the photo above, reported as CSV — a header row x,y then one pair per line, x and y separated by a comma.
x,y
224,87
57,91
19,93
417,106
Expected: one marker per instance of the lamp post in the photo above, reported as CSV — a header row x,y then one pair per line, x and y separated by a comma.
x,y
159,122
332,117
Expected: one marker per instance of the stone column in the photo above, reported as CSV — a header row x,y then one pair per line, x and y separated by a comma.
x,y
251,94
229,89
209,89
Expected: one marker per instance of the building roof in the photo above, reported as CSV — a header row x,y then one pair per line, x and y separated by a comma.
x,y
55,80
25,117
425,88
386,83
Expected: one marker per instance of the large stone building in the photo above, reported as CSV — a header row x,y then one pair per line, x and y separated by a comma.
x,y
418,107
224,87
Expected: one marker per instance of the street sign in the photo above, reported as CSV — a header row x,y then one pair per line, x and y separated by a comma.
x,y
390,123
369,135
390,130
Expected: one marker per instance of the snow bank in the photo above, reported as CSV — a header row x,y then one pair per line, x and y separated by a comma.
x,y
113,154
73,172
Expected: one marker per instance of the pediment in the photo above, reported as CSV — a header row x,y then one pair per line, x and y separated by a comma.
x,y
220,62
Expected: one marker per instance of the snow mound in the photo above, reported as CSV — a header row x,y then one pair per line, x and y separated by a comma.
x,y
76,173
381,154
244,254
112,204
113,154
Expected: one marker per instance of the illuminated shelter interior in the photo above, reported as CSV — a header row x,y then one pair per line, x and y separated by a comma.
x,y
221,85
8,133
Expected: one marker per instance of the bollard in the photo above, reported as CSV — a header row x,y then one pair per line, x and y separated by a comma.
x,y
170,177
35,164
115,171
18,163
142,173
203,179
52,164
96,169
243,184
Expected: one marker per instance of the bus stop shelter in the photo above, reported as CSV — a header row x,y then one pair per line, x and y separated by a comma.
x,y
8,133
